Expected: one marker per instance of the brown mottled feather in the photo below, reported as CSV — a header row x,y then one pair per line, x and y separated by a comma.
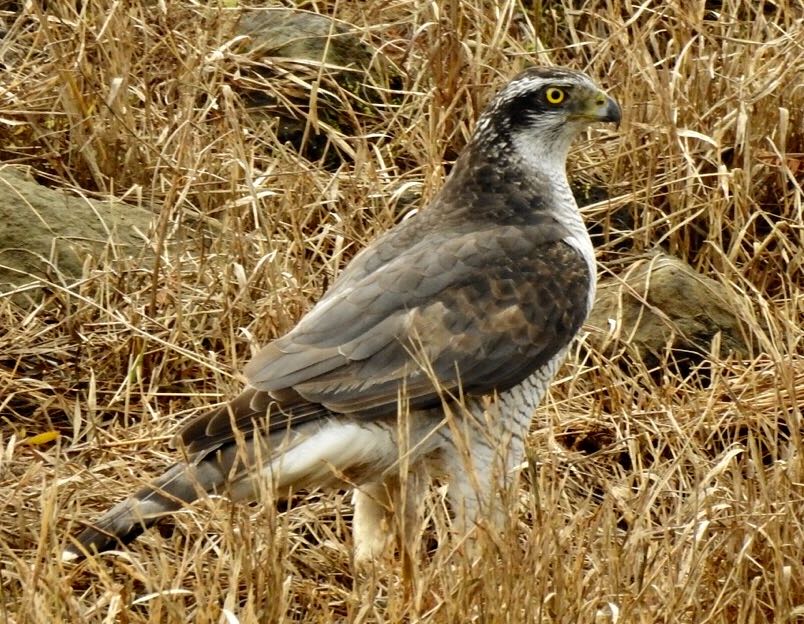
x,y
483,327
447,279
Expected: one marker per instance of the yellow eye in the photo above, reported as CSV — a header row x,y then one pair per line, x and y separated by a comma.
x,y
555,95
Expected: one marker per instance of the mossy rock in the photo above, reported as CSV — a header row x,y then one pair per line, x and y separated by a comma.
x,y
661,302
293,50
47,235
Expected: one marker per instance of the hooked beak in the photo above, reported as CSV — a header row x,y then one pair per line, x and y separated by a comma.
x,y
600,107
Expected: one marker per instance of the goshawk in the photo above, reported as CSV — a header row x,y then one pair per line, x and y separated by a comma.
x,y
432,348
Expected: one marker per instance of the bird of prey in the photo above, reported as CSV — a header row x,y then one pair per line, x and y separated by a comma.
x,y
432,348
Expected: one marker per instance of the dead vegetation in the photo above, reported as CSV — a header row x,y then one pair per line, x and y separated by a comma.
x,y
662,494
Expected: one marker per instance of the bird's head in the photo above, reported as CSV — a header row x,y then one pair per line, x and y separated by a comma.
x,y
541,110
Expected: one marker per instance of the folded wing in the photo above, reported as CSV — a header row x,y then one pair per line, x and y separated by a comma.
x,y
478,311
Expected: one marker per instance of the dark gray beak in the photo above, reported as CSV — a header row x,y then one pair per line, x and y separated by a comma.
x,y
612,111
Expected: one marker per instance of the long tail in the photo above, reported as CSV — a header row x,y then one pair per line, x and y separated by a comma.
x,y
314,456
180,485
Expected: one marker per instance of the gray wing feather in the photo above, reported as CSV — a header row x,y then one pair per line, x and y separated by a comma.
x,y
484,308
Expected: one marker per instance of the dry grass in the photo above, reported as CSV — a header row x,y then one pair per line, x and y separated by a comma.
x,y
651,495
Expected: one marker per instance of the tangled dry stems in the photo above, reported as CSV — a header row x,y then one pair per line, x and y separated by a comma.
x,y
664,494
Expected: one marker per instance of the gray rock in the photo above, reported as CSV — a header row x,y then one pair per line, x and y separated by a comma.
x,y
46,235
661,302
290,34
293,50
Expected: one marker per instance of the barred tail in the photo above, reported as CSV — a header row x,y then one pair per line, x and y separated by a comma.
x,y
180,485
314,456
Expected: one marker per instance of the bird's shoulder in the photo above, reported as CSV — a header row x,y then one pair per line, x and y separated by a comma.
x,y
512,283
